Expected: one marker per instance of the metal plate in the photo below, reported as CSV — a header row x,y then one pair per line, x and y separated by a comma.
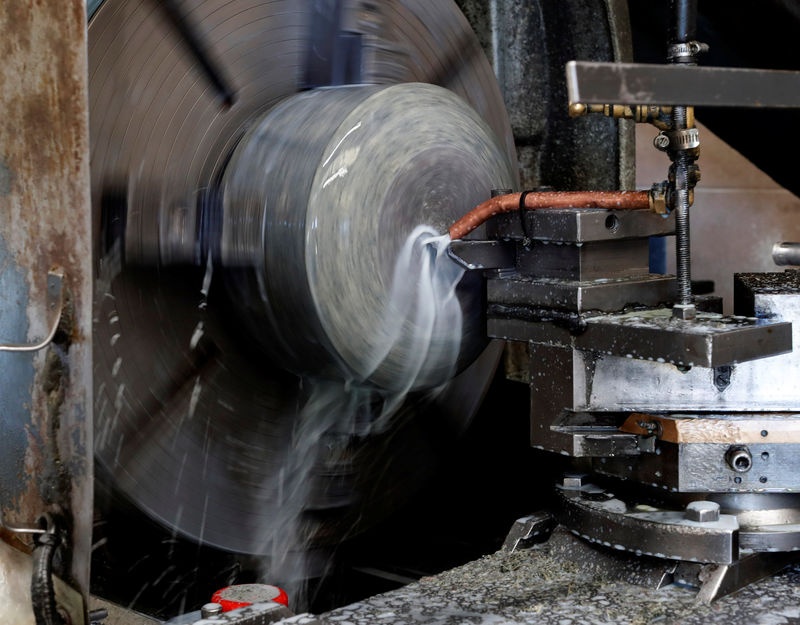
x,y
45,397
192,423
711,340
570,296
702,467
633,83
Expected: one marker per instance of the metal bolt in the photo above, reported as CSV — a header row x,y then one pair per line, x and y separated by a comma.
x,y
763,479
702,512
210,609
653,428
661,142
686,312
739,459
683,255
682,161
573,481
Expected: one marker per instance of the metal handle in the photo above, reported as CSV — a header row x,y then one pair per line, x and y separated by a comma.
x,y
20,528
55,301
786,253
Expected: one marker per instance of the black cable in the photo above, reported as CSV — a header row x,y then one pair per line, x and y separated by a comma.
x,y
43,597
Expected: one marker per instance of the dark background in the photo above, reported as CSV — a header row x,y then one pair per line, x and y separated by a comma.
x,y
741,33
490,476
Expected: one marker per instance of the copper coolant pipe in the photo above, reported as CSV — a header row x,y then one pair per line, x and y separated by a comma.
x,y
620,200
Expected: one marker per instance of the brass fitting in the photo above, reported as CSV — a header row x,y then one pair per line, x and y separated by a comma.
x,y
659,116
658,198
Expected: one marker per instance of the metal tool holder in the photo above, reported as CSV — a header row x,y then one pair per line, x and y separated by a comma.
x,y
681,420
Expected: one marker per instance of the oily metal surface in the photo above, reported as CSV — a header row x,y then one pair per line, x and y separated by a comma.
x,y
45,409
192,422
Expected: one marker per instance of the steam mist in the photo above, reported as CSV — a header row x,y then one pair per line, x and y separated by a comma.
x,y
421,330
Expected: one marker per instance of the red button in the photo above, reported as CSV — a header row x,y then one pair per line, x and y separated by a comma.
x,y
242,595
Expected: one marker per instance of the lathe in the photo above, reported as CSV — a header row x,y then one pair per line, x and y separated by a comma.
x,y
266,265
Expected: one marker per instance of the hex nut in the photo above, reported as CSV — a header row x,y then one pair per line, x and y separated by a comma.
x,y
210,609
702,512
684,311
573,481
658,204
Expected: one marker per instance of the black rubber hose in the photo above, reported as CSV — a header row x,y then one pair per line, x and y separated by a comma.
x,y
683,22
42,595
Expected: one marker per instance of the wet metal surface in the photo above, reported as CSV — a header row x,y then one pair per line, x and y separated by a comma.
x,y
534,587
711,340
608,295
45,397
766,384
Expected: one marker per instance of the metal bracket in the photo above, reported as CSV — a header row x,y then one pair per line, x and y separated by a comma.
x,y
535,526
601,518
710,340
591,82
718,580
55,302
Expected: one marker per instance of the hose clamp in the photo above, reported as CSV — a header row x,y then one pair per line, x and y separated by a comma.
x,y
686,51
673,140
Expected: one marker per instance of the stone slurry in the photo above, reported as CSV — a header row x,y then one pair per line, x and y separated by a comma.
x,y
530,586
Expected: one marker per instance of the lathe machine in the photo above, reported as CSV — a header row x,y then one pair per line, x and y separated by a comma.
x,y
263,261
